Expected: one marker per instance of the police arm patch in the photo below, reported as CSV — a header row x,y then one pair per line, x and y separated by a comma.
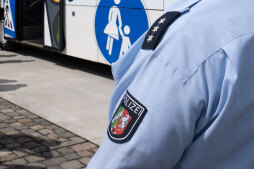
x,y
126,119
158,29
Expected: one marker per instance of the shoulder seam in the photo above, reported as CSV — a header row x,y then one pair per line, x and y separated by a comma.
x,y
236,37
216,51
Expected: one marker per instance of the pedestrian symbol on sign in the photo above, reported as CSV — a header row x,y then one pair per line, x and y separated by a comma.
x,y
117,27
8,22
126,43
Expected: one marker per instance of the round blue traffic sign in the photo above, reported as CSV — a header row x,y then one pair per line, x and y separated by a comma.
x,y
118,24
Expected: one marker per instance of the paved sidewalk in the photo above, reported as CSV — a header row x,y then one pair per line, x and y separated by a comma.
x,y
28,141
53,85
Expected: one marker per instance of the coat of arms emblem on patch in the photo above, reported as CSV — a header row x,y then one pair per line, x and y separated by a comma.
x,y
126,119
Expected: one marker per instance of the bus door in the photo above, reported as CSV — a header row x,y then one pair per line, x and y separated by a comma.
x,y
9,19
53,24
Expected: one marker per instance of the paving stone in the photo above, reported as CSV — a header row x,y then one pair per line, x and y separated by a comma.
x,y
30,124
27,131
85,154
12,133
51,127
11,120
18,124
25,120
40,149
52,136
36,166
6,140
65,150
33,116
83,147
26,150
72,165
32,159
13,114
22,111
3,125
40,138
48,155
8,158
20,152
12,146
7,111
77,140
23,139
94,150
54,162
62,140
53,144
59,130
4,153
16,108
15,136
7,165
3,118
20,161
31,145
4,130
8,104
35,134
45,131
37,127
45,139
45,123
37,121
67,135
72,156
55,153
85,160
2,107
64,144
19,117
21,127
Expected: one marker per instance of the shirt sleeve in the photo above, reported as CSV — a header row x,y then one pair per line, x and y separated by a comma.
x,y
121,66
175,107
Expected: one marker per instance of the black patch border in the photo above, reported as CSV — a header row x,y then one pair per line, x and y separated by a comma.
x,y
136,124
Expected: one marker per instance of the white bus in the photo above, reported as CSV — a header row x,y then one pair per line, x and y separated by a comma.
x,y
95,30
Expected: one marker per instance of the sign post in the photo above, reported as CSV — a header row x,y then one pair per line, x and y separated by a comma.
x,y
1,21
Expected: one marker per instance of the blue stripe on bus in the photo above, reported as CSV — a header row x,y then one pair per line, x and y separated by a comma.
x,y
9,32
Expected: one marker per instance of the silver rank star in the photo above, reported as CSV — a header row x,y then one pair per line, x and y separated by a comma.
x,y
162,20
155,29
150,38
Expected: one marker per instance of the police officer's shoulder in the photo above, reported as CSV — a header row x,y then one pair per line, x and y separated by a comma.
x,y
202,32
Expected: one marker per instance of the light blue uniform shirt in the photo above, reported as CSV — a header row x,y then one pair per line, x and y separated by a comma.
x,y
198,89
